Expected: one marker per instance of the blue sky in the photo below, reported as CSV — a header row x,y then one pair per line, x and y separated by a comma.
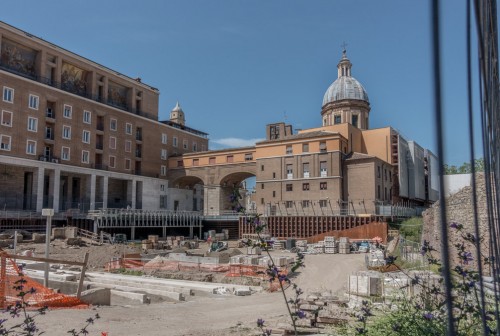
x,y
237,65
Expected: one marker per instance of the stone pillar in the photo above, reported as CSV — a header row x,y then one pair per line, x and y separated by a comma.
x,y
58,71
104,192
131,193
39,189
132,233
92,191
134,194
211,201
56,189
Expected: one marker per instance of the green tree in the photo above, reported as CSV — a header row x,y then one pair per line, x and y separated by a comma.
x,y
465,168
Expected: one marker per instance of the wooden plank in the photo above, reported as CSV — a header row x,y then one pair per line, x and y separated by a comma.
x,y
50,261
82,275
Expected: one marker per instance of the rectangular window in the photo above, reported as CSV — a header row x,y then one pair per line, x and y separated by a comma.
x,y
305,169
203,147
112,142
248,157
128,128
5,142
378,171
127,164
195,147
262,186
323,171
305,186
163,154
305,204
322,203
33,102
274,193
162,187
355,120
289,187
180,163
112,161
229,158
378,192
385,174
274,175
68,111
174,141
289,171
262,201
211,160
305,148
32,124
85,157
6,118
185,144
163,170
322,147
196,162
323,186
288,204
113,124
337,119
31,147
65,153
8,94
289,150
66,132
164,138
87,117
128,146
86,137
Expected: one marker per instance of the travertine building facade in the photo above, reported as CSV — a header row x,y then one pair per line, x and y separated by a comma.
x,y
74,133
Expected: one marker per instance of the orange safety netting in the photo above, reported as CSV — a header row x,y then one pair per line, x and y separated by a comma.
x,y
10,276
256,271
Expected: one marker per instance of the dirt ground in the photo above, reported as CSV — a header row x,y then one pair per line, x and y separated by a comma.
x,y
206,315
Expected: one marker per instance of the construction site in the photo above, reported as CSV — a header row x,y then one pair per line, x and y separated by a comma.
x,y
219,280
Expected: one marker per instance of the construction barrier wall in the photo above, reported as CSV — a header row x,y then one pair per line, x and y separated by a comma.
x,y
304,227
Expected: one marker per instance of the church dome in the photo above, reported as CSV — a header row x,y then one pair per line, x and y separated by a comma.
x,y
345,86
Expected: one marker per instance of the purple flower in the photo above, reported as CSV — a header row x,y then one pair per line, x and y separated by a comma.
x,y
260,323
428,316
467,257
454,225
301,314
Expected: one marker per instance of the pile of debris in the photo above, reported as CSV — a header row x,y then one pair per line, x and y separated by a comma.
x,y
323,309
170,242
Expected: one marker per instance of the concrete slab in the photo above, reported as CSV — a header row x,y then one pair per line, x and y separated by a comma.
x,y
139,297
97,296
171,295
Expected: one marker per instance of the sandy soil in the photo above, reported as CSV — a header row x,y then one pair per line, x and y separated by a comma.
x,y
206,315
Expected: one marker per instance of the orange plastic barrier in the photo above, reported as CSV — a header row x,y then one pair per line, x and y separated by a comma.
x,y
41,296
